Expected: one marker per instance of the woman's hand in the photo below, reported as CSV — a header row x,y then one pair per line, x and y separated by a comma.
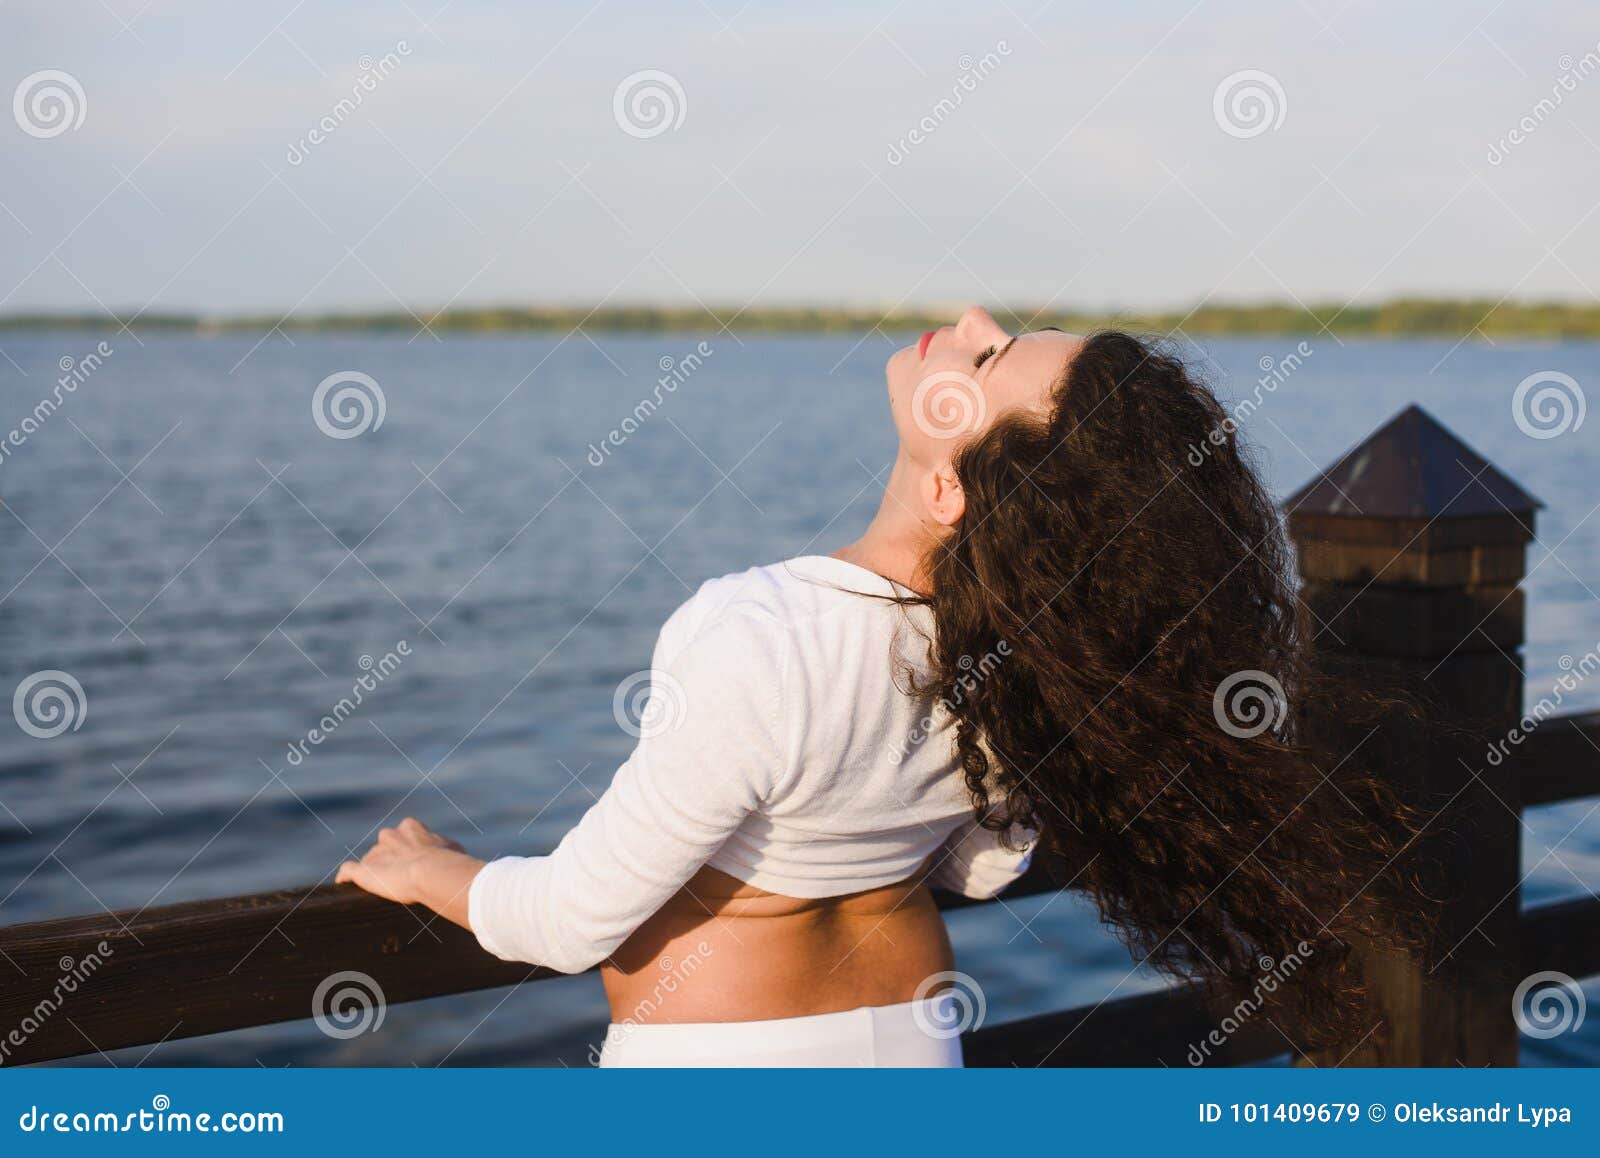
x,y
412,864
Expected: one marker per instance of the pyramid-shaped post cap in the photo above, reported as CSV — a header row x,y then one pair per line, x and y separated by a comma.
x,y
1413,468
1412,504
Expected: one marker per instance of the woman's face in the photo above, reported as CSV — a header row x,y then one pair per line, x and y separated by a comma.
x,y
954,382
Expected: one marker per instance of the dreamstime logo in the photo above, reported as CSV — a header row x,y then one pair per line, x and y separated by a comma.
x,y
973,72
48,103
1248,703
973,673
74,373
674,373
47,703
948,404
673,973
1548,1004
1566,83
1548,404
366,83
375,671
648,103
155,1120
347,404
348,1004
649,703
1248,103
74,975
1274,373
1274,973
1573,673
948,1004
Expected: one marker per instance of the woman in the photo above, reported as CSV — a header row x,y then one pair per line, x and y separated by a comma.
x,y
1026,644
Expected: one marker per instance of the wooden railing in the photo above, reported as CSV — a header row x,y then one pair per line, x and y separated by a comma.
x,y
1417,591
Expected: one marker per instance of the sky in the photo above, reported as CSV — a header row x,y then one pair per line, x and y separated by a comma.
x,y
864,154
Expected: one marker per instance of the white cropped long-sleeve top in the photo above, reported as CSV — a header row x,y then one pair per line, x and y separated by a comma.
x,y
779,747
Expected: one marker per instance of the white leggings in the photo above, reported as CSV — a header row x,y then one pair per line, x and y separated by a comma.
x,y
913,1034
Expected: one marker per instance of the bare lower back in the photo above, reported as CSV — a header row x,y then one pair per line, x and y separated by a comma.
x,y
721,950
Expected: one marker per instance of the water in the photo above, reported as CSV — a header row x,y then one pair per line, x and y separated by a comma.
x,y
212,567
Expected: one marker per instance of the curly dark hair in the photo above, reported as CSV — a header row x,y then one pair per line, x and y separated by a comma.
x,y
1149,717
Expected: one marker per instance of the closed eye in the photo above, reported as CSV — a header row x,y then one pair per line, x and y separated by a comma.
x,y
995,353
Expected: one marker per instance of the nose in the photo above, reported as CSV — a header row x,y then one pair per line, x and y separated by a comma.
x,y
978,327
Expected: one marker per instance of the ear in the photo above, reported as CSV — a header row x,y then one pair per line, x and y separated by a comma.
x,y
943,496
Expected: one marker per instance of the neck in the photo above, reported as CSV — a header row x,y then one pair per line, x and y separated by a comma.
x,y
897,540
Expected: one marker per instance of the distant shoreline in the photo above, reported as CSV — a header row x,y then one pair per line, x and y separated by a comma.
x,y
1408,317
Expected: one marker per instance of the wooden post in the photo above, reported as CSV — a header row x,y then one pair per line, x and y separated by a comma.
x,y
1411,550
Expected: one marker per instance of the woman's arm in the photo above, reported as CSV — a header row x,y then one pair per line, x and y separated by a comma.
x,y
414,865
712,752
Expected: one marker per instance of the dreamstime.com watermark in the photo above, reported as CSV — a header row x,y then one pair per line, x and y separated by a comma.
x,y
1273,974
48,103
1566,83
347,404
1274,373
948,1004
1574,672
1548,404
1548,1004
160,1118
73,975
74,373
973,73
674,972
949,404
376,672
974,672
648,103
674,373
373,73
348,1004
1248,103
1249,703
649,703
48,703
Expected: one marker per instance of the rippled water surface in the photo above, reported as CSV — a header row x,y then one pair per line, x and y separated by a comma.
x,y
213,568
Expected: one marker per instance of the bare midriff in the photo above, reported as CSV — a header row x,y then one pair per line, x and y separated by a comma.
x,y
721,950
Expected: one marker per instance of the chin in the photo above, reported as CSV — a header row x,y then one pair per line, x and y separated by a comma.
x,y
900,356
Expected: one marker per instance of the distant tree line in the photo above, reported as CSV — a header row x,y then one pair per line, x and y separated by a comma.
x,y
1430,317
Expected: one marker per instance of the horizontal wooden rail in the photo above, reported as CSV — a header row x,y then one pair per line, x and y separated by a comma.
x,y
1168,1027
1560,761
1165,1027
209,966
1564,936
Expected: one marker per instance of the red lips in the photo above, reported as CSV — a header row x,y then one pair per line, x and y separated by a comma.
x,y
922,345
